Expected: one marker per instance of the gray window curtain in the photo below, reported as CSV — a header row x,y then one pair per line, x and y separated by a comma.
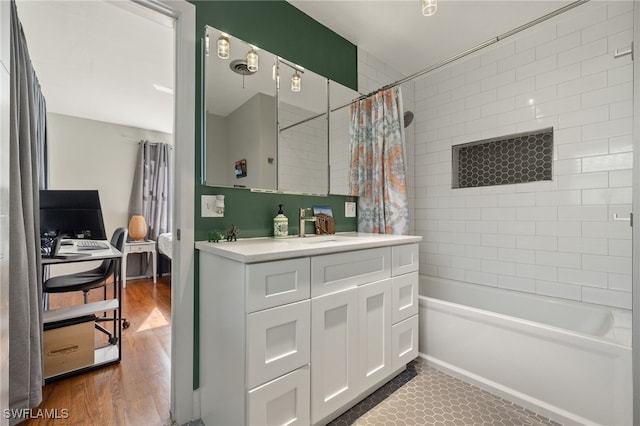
x,y
151,195
27,153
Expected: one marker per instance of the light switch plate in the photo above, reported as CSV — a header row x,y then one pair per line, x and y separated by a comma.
x,y
349,209
208,206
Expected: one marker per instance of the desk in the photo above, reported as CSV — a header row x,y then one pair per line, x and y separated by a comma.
x,y
144,246
112,353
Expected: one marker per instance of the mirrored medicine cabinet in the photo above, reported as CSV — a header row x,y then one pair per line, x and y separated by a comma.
x,y
279,128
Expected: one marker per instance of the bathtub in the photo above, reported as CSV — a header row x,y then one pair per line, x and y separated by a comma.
x,y
568,361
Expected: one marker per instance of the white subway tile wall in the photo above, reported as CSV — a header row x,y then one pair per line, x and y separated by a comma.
x,y
302,152
339,151
555,238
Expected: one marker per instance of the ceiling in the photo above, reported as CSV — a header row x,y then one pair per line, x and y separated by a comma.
x,y
99,60
396,32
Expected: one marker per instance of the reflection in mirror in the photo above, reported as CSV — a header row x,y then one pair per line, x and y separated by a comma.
x,y
303,137
340,97
240,108
241,143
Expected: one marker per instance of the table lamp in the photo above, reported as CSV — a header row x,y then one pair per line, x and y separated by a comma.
x,y
137,227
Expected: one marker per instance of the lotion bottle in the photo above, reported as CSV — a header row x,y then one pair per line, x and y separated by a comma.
x,y
280,224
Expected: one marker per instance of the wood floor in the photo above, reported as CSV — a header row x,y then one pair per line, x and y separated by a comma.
x,y
134,392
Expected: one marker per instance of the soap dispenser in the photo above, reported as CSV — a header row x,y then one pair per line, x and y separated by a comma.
x,y
280,224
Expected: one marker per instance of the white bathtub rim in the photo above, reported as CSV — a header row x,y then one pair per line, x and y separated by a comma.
x,y
620,318
539,407
526,326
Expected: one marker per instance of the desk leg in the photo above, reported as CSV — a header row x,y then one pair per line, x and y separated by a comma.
x,y
123,270
155,265
118,294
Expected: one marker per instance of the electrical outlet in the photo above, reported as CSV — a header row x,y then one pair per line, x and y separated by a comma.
x,y
349,209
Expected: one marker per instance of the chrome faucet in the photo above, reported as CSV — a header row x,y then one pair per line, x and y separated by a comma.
x,y
303,220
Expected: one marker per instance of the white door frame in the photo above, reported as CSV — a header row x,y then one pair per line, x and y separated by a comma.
x,y
635,348
184,403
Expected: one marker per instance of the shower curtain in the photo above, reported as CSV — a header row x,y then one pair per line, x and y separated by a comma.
x,y
377,174
27,140
151,193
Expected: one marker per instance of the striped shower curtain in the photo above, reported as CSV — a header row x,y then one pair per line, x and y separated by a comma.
x,y
377,174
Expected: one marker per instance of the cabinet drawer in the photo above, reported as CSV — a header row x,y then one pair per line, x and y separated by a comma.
x,y
404,296
335,272
139,248
284,401
277,341
404,259
404,342
272,284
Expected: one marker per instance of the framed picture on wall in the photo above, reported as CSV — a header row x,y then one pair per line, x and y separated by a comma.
x,y
241,168
323,209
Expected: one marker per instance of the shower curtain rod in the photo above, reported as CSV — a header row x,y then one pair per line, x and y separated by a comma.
x,y
470,51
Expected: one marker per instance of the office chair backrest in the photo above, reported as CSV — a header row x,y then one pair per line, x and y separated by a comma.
x,y
118,239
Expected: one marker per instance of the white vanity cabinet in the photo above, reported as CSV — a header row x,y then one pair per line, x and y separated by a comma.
x,y
404,287
364,331
297,334
254,341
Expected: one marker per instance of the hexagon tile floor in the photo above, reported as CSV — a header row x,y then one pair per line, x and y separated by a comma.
x,y
422,395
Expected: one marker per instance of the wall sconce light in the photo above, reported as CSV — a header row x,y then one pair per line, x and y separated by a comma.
x,y
223,46
429,7
296,82
252,60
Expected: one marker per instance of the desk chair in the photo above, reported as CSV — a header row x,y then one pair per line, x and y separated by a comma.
x,y
93,278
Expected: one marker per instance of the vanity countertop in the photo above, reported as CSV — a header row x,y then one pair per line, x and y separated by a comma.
x,y
264,249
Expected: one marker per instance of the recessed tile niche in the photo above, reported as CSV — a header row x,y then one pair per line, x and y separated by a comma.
x,y
517,158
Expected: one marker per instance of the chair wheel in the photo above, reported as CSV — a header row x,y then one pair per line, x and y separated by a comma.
x,y
113,340
125,324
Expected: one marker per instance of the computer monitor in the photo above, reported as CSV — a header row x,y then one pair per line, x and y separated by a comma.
x,y
74,213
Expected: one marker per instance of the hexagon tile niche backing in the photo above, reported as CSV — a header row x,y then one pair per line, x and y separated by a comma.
x,y
519,158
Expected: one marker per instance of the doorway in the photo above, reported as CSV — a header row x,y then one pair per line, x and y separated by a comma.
x,y
182,16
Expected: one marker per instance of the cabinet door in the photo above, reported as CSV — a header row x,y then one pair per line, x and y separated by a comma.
x,y
405,341
284,401
334,372
405,296
277,342
374,331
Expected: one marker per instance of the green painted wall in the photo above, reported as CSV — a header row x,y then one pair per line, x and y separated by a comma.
x,y
282,29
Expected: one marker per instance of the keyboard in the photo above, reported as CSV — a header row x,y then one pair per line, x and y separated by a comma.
x,y
91,245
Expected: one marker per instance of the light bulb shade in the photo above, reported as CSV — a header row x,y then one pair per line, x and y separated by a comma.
x,y
223,47
137,227
429,7
252,60
296,82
